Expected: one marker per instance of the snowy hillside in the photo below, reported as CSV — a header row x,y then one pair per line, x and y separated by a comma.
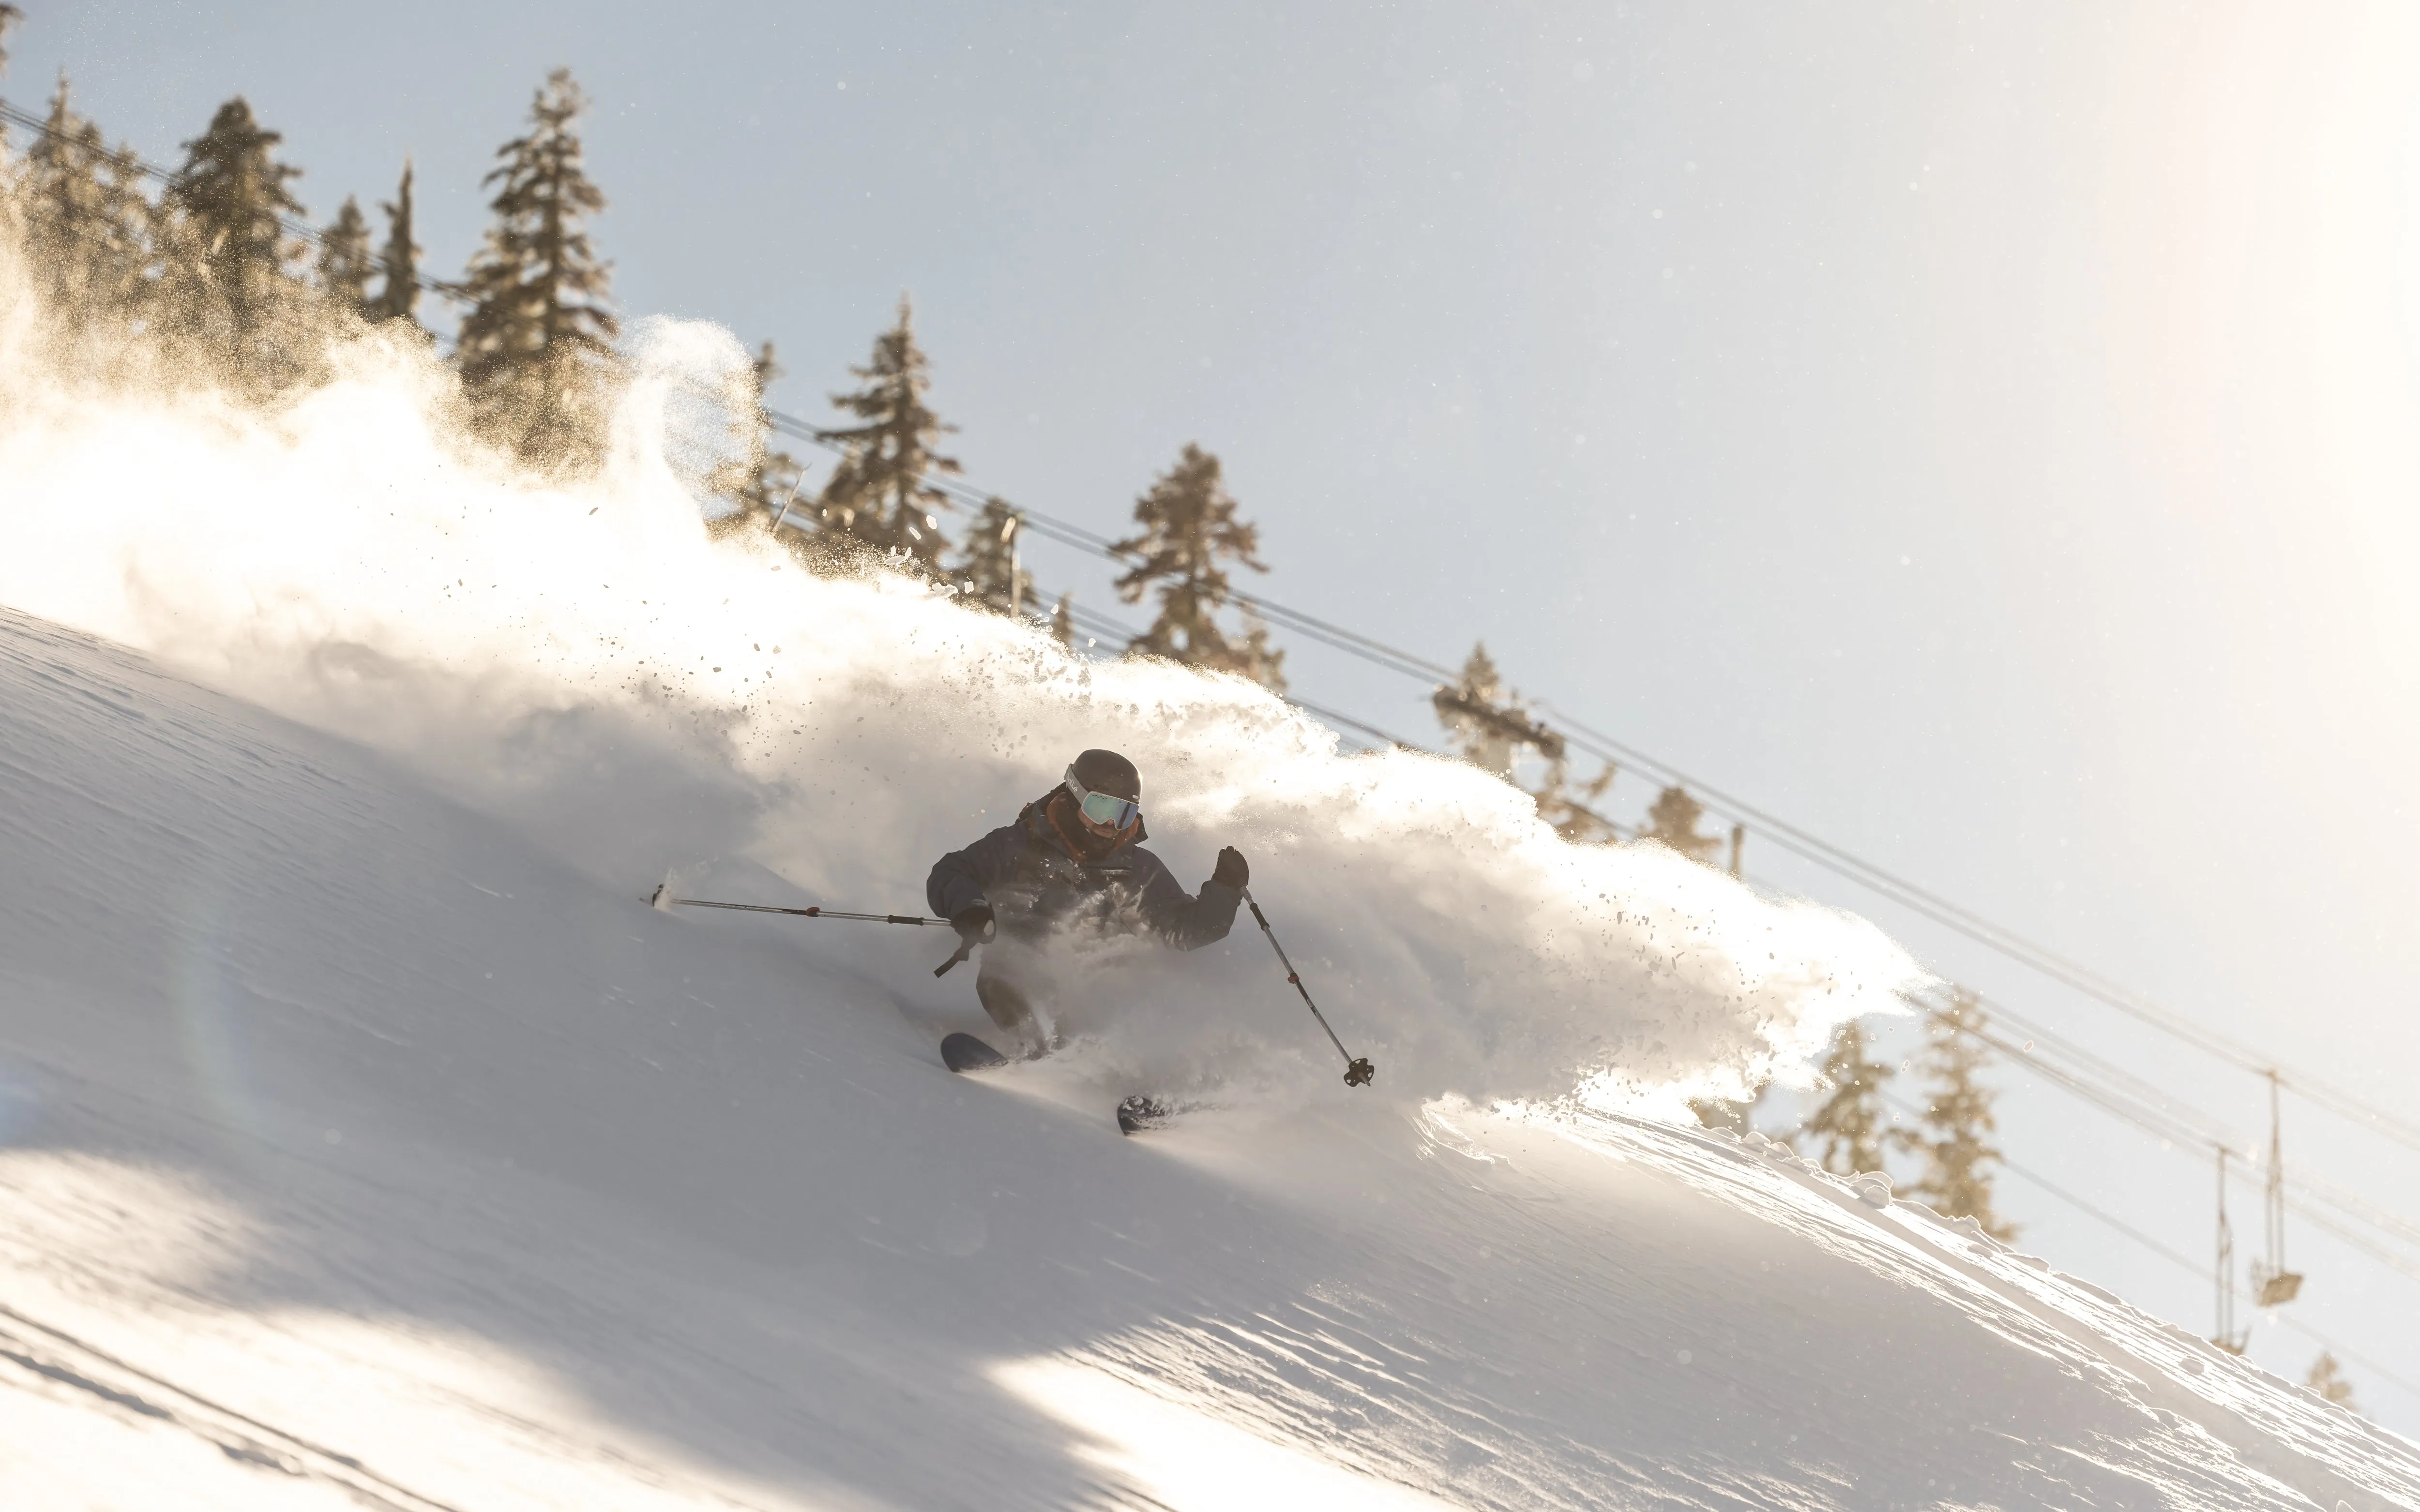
x,y
365,1139
360,1150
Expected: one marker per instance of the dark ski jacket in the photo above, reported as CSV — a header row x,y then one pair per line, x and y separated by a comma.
x,y
1037,877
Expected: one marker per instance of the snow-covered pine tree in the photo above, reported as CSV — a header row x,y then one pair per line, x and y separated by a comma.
x,y
1672,819
345,264
400,259
228,281
9,16
1189,535
1958,1121
988,562
85,222
1062,621
879,495
2328,1379
1849,1125
536,351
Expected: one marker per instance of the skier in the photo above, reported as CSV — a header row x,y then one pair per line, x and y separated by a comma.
x,y
1072,859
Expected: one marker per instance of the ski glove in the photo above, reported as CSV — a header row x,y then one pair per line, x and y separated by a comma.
x,y
974,925
1231,871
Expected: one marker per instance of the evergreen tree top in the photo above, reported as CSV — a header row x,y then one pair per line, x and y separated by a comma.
x,y
63,157
763,482
1958,1118
1850,1123
1672,819
880,493
87,222
538,285
1488,724
227,261
1479,678
899,424
399,259
2327,1378
1189,530
9,16
989,569
232,183
1189,533
344,264
535,349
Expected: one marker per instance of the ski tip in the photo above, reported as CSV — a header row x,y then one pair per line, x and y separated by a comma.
x,y
963,1052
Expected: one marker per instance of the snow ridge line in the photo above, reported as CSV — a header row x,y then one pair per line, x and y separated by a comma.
x,y
61,1357
2118,1337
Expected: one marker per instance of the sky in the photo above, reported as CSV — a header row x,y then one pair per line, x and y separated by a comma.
x,y
1980,435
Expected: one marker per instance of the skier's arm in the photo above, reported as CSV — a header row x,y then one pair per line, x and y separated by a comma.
x,y
964,878
1187,922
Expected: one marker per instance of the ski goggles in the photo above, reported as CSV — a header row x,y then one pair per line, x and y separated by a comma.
x,y
1104,809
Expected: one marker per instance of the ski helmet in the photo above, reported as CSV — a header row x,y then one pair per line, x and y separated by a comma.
x,y
1105,771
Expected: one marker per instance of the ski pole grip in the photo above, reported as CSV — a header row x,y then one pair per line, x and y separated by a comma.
x,y
966,948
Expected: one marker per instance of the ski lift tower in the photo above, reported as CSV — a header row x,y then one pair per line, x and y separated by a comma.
x,y
2226,1338
2272,1284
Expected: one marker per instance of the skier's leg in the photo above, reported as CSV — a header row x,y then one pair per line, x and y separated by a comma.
x,y
1006,1001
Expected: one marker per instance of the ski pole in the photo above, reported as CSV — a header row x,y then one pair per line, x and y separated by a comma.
x,y
1357,1072
663,899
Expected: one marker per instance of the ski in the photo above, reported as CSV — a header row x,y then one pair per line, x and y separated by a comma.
x,y
963,1052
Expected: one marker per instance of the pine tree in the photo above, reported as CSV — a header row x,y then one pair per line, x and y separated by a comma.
x,y
1850,1122
880,494
1957,1122
344,264
536,346
760,482
1489,726
2327,1378
85,221
399,259
1672,819
9,16
767,482
1062,621
1189,533
1485,724
989,565
120,284
231,274
1570,810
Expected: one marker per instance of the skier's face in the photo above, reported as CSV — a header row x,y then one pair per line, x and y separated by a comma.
x,y
1105,814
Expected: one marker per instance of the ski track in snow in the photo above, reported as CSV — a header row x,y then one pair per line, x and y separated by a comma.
x,y
356,1150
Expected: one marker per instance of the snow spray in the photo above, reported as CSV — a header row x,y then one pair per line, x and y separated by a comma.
x,y
586,662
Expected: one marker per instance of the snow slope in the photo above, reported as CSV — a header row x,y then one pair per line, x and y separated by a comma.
x,y
356,1148
365,1140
